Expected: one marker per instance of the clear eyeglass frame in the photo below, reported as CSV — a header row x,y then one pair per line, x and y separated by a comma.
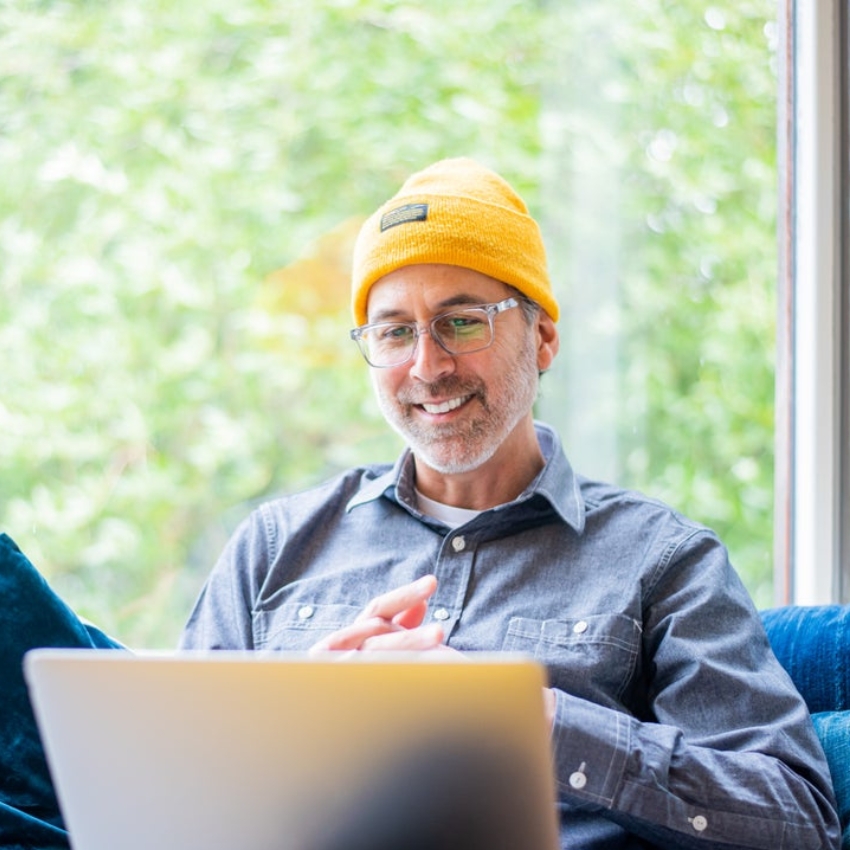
x,y
401,350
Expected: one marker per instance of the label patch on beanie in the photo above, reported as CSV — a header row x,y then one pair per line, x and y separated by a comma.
x,y
403,215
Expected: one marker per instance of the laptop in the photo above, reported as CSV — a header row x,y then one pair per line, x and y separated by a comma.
x,y
278,751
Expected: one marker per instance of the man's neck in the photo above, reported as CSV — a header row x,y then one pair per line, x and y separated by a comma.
x,y
497,481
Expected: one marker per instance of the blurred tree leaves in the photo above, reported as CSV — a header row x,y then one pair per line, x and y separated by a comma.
x,y
180,188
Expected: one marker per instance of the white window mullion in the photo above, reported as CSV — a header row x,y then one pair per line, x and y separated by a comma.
x,y
816,455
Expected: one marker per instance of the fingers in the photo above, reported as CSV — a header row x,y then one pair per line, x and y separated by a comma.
x,y
412,617
549,706
423,638
391,621
377,635
353,636
400,600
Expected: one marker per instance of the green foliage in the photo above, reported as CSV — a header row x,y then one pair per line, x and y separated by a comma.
x,y
162,162
701,346
670,163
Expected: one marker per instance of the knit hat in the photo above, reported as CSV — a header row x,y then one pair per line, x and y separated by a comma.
x,y
459,213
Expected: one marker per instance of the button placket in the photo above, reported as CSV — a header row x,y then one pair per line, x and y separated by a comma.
x,y
452,570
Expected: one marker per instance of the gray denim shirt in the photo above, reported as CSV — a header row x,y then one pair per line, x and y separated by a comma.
x,y
675,725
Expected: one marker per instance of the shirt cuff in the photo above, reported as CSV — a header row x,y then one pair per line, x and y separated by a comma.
x,y
591,747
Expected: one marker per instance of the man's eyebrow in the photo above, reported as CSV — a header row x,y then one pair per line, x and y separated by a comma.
x,y
461,299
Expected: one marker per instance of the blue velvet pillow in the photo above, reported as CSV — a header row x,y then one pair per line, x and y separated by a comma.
x,y
813,644
32,616
833,728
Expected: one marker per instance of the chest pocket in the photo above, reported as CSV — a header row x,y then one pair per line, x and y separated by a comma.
x,y
296,626
591,657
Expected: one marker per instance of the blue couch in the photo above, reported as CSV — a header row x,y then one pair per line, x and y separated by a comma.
x,y
33,615
812,643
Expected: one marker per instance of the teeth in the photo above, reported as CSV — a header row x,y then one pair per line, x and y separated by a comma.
x,y
445,407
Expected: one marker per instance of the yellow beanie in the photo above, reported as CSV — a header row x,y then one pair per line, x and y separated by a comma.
x,y
459,213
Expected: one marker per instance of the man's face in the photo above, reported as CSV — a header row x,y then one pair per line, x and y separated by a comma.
x,y
454,411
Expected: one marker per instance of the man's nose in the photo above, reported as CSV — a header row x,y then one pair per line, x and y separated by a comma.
x,y
430,360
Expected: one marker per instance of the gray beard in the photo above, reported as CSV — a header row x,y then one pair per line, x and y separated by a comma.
x,y
455,449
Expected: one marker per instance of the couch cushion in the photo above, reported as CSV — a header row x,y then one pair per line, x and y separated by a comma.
x,y
833,728
813,644
32,615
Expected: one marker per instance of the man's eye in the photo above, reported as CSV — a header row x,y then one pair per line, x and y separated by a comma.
x,y
460,323
395,333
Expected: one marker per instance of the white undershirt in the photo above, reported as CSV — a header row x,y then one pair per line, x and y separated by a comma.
x,y
450,515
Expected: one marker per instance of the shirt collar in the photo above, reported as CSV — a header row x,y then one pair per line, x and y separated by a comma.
x,y
557,482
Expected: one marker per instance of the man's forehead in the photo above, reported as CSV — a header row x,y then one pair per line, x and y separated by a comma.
x,y
434,286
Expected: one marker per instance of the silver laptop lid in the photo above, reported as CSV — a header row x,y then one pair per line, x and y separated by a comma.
x,y
289,752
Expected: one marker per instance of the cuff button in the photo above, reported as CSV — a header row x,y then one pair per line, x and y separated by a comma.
x,y
578,779
699,823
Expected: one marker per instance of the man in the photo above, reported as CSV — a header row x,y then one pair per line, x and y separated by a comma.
x,y
672,724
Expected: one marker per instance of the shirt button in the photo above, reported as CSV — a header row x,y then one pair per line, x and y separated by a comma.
x,y
458,543
441,614
305,612
699,823
580,627
578,780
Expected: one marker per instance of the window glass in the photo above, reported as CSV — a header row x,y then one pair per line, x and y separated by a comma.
x,y
181,187
660,202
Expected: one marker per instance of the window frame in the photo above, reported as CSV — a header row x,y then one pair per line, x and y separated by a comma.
x,y
812,536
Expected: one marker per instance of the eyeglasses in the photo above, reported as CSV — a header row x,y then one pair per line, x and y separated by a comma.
x,y
463,331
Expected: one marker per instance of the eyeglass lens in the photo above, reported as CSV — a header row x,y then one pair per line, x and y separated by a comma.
x,y
460,332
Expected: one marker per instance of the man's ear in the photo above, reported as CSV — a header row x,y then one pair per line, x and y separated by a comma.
x,y
548,341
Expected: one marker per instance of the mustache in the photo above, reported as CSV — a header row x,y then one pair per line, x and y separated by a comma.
x,y
449,387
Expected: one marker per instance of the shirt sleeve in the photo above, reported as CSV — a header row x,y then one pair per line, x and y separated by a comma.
x,y
222,615
725,755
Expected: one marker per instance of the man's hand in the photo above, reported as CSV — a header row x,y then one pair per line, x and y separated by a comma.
x,y
392,621
549,705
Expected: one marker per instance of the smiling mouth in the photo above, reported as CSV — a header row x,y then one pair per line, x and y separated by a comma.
x,y
445,406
